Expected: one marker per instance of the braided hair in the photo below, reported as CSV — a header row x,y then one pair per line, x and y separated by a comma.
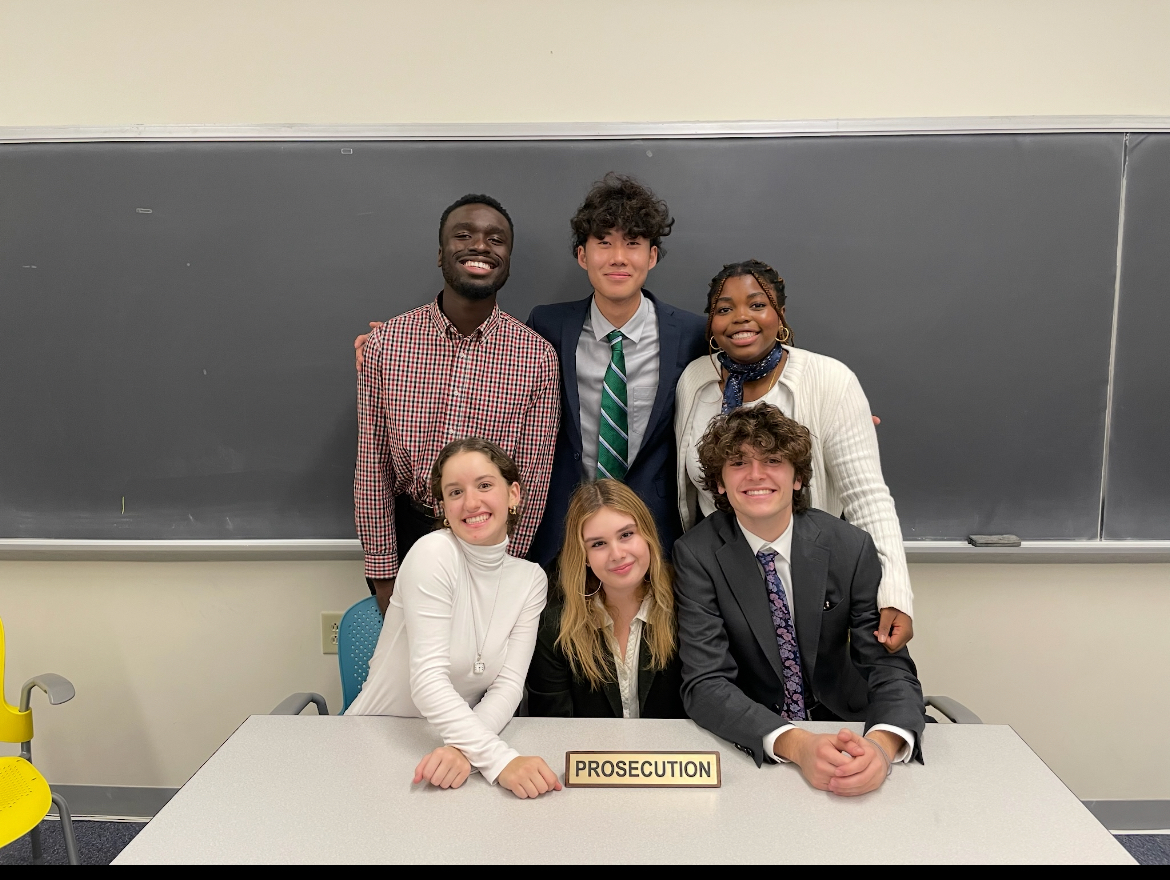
x,y
768,279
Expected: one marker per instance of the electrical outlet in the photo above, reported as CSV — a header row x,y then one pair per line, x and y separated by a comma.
x,y
330,624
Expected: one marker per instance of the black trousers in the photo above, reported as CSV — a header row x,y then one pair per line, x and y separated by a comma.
x,y
411,521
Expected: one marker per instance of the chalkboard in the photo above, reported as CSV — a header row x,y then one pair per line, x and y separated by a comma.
x,y
176,319
1137,498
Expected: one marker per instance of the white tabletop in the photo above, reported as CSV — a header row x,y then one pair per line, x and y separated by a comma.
x,y
310,789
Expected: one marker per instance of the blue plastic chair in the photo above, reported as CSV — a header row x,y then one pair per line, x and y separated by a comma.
x,y
356,638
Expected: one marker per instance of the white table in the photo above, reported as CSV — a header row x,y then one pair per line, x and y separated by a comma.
x,y
310,789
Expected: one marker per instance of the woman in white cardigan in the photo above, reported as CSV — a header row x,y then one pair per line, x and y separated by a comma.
x,y
461,626
749,362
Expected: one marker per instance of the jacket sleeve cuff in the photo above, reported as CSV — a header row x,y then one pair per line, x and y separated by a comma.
x,y
381,567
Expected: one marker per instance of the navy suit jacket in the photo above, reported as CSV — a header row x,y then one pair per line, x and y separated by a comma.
x,y
681,339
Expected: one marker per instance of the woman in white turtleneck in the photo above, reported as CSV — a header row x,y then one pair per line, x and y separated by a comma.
x,y
461,626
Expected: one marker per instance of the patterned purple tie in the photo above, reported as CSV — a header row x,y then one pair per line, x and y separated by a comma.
x,y
785,639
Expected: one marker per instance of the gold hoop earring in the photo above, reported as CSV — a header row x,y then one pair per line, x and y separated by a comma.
x,y
446,524
712,347
595,592
787,334
514,511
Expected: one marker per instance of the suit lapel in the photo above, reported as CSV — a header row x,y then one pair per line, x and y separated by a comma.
x,y
571,328
645,675
669,340
810,571
613,692
747,585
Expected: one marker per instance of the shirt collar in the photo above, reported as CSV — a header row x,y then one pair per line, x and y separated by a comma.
x,y
782,545
447,329
642,615
632,329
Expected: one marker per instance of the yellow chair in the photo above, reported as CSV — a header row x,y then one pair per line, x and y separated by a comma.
x,y
25,797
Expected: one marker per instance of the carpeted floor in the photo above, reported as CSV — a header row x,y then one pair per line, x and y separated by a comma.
x,y
99,842
1148,849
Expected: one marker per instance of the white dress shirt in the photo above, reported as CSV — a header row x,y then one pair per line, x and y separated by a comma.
x,y
782,546
627,667
640,349
455,602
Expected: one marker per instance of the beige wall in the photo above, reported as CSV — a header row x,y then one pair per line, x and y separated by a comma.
x,y
81,62
169,658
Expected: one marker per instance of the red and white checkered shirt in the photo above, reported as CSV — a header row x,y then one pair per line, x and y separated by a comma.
x,y
423,385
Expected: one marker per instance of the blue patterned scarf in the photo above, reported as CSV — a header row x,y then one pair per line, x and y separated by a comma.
x,y
738,373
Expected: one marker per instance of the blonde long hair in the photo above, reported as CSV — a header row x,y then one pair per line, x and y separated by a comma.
x,y
582,622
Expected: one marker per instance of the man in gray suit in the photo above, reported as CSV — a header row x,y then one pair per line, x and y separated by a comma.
x,y
777,607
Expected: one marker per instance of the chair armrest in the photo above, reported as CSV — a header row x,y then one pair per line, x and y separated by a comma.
x,y
954,710
58,688
295,704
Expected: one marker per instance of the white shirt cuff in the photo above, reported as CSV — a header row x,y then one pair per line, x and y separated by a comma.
x,y
901,757
907,749
770,743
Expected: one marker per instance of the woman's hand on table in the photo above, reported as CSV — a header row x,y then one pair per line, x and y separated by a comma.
x,y
528,777
445,767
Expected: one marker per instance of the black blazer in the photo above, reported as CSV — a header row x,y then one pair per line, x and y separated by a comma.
x,y
681,339
554,691
731,665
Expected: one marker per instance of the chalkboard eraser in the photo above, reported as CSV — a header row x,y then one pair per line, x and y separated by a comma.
x,y
993,540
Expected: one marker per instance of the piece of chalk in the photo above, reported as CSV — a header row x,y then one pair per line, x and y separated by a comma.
x,y
993,540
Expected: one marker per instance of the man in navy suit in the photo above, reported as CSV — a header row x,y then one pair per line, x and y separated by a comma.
x,y
621,352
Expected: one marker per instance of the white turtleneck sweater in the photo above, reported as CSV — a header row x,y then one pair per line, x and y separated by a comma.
x,y
424,664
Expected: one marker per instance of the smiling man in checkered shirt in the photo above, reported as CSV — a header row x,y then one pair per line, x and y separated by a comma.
x,y
456,367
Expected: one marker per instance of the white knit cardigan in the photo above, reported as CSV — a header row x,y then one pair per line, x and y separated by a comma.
x,y
846,465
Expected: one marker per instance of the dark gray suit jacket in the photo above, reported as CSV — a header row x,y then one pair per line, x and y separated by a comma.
x,y
731,665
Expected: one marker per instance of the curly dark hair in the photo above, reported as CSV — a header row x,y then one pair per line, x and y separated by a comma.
x,y
503,462
475,199
764,429
620,202
768,279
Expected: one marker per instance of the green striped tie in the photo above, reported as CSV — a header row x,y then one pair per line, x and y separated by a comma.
x,y
613,447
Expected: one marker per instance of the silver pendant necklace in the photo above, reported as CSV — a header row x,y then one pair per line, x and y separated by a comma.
x,y
480,666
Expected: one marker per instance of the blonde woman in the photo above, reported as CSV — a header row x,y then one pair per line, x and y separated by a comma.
x,y
607,645
461,625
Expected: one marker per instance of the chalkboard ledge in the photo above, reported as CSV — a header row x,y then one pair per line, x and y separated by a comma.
x,y
579,131
57,550
1040,552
